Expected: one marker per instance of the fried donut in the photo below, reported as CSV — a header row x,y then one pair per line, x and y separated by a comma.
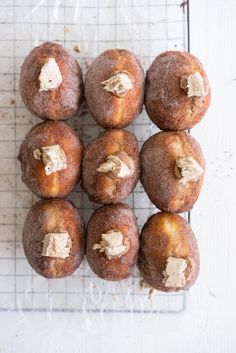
x,y
114,88
111,166
51,83
53,238
112,242
168,257
173,168
51,156
177,91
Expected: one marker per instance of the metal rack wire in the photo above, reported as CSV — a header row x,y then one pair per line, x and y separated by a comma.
x,y
146,27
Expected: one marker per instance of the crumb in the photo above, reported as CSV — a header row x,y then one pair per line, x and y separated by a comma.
x,y
150,293
143,284
66,29
12,101
77,49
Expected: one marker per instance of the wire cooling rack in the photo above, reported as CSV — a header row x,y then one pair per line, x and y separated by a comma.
x,y
85,28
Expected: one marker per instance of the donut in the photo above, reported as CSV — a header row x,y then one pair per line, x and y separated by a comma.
x,y
177,91
51,85
114,88
112,242
51,157
111,166
168,257
53,238
173,167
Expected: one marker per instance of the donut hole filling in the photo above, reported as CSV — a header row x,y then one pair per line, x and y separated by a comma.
x,y
187,169
112,244
118,84
57,245
193,85
53,157
50,76
174,275
120,165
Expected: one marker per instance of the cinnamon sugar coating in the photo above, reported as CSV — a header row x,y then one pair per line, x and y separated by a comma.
x,y
160,176
59,103
53,216
108,109
167,235
59,183
118,217
167,104
106,188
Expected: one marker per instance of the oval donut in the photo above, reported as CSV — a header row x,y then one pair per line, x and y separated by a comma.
x,y
115,103
61,95
48,225
177,92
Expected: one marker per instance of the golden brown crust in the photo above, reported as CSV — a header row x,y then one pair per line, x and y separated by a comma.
x,y
114,217
60,103
158,157
167,235
62,182
50,216
108,110
167,104
105,188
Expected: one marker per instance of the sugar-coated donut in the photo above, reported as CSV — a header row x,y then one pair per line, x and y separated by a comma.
x,y
114,88
177,93
51,83
51,156
172,170
111,166
112,242
53,238
168,257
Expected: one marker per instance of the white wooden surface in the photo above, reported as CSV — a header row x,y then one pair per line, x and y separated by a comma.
x,y
208,325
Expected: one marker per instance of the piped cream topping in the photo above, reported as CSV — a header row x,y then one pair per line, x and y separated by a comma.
x,y
193,85
112,244
53,157
118,84
50,76
57,245
174,273
120,165
189,169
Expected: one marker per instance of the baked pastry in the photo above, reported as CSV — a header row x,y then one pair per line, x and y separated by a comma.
x,y
53,238
173,168
168,257
114,88
51,83
112,242
111,166
177,91
51,156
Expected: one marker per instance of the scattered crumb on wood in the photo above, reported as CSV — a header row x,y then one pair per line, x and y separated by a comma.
x,y
77,49
13,101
